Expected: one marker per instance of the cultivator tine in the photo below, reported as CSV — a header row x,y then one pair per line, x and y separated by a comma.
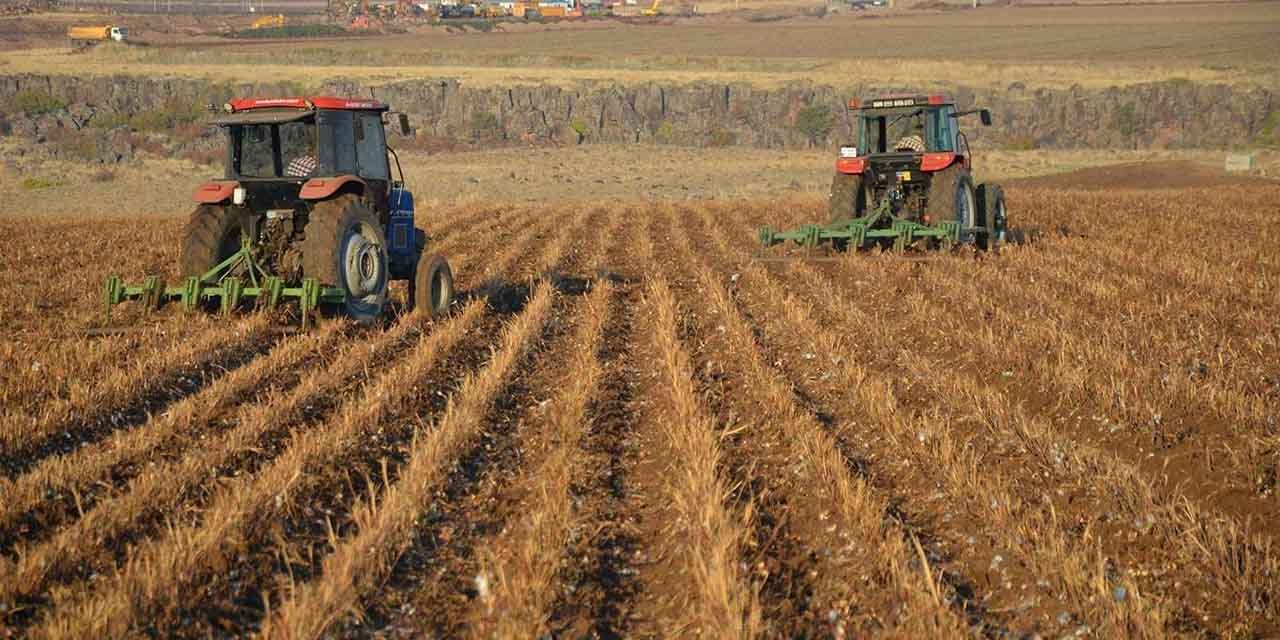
x,y
274,287
191,293
232,287
152,293
309,299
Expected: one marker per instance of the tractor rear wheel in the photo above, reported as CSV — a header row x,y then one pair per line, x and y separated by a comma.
x,y
431,290
952,197
344,246
212,234
995,217
849,198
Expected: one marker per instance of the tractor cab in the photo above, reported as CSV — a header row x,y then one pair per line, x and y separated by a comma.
x,y
899,133
286,151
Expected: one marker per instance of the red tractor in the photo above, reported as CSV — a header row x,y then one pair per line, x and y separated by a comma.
x,y
907,179
307,210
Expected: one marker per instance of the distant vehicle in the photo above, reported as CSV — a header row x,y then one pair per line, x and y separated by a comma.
x,y
654,9
88,36
267,22
457,11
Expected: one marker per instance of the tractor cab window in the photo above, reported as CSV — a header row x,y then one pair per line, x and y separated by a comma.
x,y
337,141
274,150
910,130
255,156
371,147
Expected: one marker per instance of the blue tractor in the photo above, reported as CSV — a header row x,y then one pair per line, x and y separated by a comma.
x,y
307,210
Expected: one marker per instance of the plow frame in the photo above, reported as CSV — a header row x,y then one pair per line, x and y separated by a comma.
x,y
858,231
229,290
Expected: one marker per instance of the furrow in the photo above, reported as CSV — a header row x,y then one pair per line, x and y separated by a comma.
x,y
469,500
175,572
838,537
59,487
127,399
520,564
235,599
98,540
1043,539
383,523
596,585
696,579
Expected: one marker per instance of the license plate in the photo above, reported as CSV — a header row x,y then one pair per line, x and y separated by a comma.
x,y
904,176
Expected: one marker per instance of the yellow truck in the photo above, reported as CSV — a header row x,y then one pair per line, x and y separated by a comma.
x,y
86,36
267,22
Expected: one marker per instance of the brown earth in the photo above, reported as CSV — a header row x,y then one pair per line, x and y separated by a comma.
x,y
630,427
1174,174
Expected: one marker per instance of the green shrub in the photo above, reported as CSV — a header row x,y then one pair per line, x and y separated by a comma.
x,y
1126,119
1269,129
35,184
666,133
35,103
579,127
814,121
1020,143
484,124
721,138
292,31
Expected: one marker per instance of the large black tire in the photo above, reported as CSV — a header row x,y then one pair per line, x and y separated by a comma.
x,y
952,197
994,216
431,290
848,198
345,246
212,235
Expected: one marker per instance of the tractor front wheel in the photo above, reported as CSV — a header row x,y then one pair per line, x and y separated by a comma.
x,y
344,246
212,235
431,290
995,217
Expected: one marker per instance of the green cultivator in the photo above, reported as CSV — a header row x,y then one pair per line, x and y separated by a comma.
x,y
238,278
857,233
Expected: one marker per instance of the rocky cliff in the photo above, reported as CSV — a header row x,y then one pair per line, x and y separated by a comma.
x,y
1161,115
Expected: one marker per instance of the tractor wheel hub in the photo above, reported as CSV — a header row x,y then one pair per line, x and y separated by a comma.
x,y
363,265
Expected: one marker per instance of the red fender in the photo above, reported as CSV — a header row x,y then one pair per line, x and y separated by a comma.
x,y
214,192
321,188
936,161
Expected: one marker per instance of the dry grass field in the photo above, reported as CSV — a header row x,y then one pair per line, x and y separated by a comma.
x,y
1090,46
628,427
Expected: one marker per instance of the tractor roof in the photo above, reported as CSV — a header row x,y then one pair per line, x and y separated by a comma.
x,y
897,100
309,104
278,110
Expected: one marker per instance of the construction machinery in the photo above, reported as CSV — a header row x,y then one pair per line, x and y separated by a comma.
x,y
268,22
88,36
906,182
654,9
307,210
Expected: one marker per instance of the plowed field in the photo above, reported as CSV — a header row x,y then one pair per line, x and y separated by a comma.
x,y
627,427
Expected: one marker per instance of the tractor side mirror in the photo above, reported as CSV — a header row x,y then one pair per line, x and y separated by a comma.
x,y
403,120
985,116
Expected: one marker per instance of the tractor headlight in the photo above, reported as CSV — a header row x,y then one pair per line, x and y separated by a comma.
x,y
238,196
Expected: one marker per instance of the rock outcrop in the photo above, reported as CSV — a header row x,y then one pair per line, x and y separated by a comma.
x,y
1172,114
